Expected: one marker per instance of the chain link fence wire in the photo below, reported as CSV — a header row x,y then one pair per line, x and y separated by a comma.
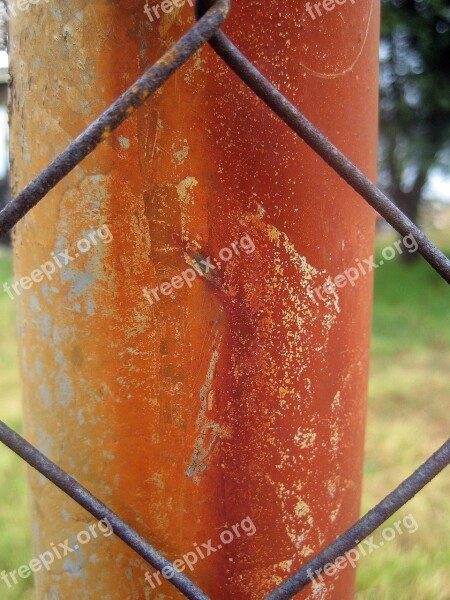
x,y
210,16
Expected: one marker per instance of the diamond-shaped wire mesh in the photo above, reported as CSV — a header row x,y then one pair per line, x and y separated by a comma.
x,y
206,29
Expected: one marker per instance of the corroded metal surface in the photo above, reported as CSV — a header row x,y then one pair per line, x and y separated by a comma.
x,y
236,395
378,515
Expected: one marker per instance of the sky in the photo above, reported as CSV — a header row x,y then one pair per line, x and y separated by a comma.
x,y
439,186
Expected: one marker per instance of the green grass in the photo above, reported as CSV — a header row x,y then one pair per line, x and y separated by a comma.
x,y
15,547
407,419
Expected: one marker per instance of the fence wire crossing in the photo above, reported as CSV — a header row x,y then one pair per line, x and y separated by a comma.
x,y
210,16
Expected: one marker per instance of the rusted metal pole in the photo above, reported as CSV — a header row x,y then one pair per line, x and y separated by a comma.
x,y
188,366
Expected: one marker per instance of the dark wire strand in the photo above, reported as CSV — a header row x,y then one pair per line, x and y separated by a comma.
x,y
113,116
366,525
93,505
281,106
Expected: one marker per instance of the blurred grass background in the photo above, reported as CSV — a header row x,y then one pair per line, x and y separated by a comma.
x,y
408,419
15,527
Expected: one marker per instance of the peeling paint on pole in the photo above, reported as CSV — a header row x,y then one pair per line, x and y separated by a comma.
x,y
227,399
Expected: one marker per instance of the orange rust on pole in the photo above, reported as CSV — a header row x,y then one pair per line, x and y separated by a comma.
x,y
234,401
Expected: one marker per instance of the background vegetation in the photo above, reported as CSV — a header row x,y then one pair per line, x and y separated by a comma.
x,y
414,99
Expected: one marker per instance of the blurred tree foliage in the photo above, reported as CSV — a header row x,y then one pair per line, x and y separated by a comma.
x,y
414,97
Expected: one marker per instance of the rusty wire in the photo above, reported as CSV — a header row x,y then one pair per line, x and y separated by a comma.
x,y
211,15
